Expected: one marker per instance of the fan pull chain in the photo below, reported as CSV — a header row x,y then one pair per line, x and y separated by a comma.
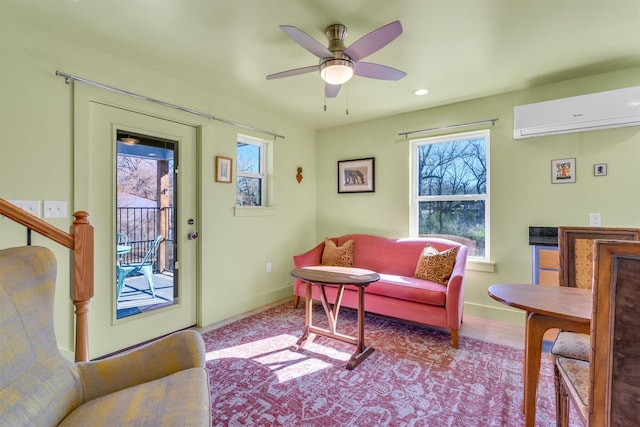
x,y
346,110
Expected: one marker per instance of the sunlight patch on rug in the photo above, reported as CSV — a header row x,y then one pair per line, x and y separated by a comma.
x,y
275,354
414,377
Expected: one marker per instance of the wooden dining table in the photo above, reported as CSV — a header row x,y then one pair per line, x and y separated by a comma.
x,y
546,307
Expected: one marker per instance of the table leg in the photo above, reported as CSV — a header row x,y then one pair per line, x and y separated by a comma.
x,y
362,351
536,326
331,310
310,331
308,320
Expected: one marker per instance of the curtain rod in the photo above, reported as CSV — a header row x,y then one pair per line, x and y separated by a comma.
x,y
69,77
492,121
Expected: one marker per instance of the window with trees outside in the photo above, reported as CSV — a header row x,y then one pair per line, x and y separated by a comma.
x,y
450,192
251,165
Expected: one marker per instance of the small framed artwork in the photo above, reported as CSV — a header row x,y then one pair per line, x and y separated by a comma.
x,y
600,169
563,171
356,176
223,169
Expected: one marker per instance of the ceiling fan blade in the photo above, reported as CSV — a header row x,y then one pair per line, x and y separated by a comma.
x,y
294,72
374,41
306,41
331,91
377,71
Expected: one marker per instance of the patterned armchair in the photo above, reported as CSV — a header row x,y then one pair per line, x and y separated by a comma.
x,y
163,383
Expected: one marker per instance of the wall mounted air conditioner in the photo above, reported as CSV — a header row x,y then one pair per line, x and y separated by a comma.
x,y
601,110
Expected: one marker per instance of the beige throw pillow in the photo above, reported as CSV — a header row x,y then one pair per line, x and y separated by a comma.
x,y
337,255
436,266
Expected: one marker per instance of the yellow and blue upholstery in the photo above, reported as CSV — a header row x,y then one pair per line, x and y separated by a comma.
x,y
163,383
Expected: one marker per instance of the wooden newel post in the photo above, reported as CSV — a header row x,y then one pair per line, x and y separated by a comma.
x,y
83,280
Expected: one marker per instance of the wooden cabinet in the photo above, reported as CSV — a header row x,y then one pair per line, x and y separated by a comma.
x,y
546,265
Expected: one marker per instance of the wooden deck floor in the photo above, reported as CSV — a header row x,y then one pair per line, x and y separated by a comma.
x,y
136,296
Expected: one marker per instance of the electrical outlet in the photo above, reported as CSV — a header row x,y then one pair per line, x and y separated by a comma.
x,y
269,267
31,206
55,209
595,220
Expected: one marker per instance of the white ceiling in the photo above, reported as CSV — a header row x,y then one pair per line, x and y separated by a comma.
x,y
459,49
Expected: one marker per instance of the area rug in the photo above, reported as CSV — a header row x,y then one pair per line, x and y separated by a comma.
x,y
414,377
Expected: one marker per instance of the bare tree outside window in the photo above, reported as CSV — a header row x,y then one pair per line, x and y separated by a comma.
x,y
251,165
451,187
137,176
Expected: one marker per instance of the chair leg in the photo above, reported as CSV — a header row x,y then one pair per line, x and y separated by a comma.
x,y
296,300
559,393
148,273
454,338
562,410
121,277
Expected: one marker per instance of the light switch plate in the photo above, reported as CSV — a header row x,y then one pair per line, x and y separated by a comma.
x,y
31,206
55,209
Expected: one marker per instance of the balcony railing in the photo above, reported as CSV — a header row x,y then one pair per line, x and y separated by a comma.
x,y
141,225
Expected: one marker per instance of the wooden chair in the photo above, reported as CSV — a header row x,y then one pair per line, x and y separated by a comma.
x,y
576,251
576,270
606,390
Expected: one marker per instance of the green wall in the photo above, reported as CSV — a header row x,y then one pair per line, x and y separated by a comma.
x,y
36,162
520,179
37,157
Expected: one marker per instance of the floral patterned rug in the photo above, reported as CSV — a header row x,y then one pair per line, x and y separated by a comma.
x,y
414,377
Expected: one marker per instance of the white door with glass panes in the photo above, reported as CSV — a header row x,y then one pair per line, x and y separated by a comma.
x,y
135,172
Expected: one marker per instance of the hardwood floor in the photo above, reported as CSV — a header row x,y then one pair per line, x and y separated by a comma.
x,y
493,331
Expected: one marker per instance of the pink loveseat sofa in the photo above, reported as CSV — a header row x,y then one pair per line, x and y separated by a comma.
x,y
398,293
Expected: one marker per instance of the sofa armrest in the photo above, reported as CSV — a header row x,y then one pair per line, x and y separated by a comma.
x,y
311,257
173,353
455,289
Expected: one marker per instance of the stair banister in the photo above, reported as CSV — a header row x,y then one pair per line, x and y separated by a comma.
x,y
80,241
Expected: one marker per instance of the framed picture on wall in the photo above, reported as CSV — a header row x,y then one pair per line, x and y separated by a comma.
x,y
223,169
600,169
356,176
563,171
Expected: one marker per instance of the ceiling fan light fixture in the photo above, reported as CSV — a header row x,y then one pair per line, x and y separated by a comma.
x,y
336,71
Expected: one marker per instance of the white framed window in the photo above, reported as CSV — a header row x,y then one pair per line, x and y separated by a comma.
x,y
450,189
251,165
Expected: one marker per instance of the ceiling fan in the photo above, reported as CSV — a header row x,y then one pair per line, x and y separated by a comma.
x,y
339,63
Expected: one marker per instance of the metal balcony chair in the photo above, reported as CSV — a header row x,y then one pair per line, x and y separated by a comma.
x,y
145,267
122,239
